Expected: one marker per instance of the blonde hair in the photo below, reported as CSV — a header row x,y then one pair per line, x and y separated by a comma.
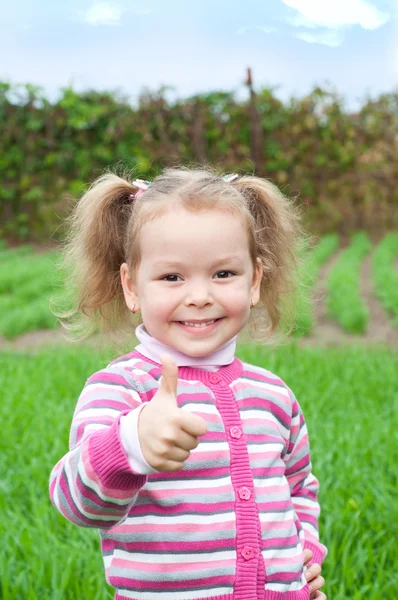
x,y
104,230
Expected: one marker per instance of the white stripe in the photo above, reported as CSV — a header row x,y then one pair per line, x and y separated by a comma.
x,y
285,587
93,413
265,447
304,502
266,483
276,517
209,409
192,595
310,528
263,416
276,389
283,553
188,484
111,386
179,519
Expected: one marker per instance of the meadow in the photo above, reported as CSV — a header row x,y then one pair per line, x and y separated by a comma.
x,y
350,400
348,394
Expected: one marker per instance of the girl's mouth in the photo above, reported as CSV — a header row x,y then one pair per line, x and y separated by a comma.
x,y
199,327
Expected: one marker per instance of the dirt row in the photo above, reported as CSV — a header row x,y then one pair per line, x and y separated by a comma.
x,y
325,332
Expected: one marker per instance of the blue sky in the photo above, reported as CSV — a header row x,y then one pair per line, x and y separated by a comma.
x,y
291,45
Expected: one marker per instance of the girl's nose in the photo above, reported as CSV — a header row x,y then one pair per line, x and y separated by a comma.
x,y
200,296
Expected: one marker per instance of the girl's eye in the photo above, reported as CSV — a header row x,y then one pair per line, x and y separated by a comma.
x,y
165,278
232,273
168,277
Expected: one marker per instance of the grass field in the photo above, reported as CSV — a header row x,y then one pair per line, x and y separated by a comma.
x,y
28,280
349,397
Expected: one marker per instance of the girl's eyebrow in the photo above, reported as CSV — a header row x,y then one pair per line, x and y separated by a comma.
x,y
172,263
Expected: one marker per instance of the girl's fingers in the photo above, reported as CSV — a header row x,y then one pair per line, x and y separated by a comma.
x,y
318,596
316,584
313,571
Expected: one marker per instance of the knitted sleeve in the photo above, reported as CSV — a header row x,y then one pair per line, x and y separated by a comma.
x,y
93,485
304,486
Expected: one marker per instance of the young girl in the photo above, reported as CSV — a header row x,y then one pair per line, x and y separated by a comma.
x,y
193,464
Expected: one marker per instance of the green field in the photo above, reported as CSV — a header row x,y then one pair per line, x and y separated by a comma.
x,y
28,280
349,397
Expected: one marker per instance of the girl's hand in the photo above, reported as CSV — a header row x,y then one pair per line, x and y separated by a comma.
x,y
166,432
314,578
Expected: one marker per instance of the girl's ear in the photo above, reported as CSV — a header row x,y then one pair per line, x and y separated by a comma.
x,y
129,287
257,276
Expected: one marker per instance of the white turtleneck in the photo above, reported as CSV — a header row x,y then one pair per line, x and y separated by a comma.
x,y
153,349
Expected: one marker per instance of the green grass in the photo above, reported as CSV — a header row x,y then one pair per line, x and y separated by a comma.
x,y
343,297
349,397
385,275
313,261
27,282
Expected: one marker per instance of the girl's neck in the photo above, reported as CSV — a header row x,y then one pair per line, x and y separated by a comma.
x,y
153,349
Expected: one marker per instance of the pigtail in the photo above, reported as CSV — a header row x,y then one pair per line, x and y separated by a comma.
x,y
93,251
279,239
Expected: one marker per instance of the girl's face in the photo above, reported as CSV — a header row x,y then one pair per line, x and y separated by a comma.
x,y
194,266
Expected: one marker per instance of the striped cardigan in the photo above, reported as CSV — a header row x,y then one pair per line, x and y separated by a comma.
x,y
232,524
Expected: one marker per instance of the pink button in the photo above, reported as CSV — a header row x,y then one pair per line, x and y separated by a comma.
x,y
214,378
248,552
235,432
244,493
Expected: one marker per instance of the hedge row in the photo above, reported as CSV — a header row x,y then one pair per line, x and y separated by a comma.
x,y
343,166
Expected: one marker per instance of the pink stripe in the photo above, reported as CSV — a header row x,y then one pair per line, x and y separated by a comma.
x,y
278,393
270,506
288,524
176,527
271,455
171,567
282,576
263,377
273,409
119,494
180,546
209,455
183,586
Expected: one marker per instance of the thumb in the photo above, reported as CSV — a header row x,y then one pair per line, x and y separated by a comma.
x,y
169,380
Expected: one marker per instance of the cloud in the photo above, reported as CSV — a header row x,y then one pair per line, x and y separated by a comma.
x,y
102,13
105,13
336,13
332,38
243,30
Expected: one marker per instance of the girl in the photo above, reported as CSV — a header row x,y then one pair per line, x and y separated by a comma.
x,y
194,465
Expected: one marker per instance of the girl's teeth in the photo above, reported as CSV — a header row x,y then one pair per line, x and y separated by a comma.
x,y
198,324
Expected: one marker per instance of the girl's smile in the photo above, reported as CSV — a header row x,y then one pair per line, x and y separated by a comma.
x,y
199,328
194,265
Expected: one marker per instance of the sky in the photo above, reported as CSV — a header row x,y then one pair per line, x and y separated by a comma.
x,y
348,46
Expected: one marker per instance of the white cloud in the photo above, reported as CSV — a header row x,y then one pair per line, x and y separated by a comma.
x,y
102,13
332,38
242,30
336,13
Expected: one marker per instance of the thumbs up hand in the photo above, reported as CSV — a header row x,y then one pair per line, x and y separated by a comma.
x,y
166,432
